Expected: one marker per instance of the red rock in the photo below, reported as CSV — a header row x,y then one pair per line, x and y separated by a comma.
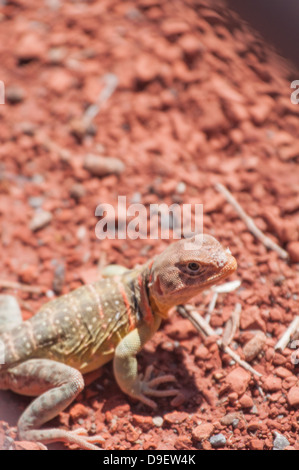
x,y
293,397
278,359
147,69
60,81
172,26
78,411
183,443
30,47
190,44
272,383
202,432
228,419
238,380
293,250
254,346
289,382
253,426
246,401
175,417
28,274
144,422
251,319
282,372
261,111
102,166
256,444
276,314
202,352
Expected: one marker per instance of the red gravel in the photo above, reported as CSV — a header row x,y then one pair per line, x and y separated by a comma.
x,y
201,99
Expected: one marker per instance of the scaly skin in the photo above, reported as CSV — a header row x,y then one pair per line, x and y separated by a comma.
x,y
113,318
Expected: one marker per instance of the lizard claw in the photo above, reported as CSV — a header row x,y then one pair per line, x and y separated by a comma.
x,y
148,387
87,441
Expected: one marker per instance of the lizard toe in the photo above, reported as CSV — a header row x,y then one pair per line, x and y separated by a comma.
x,y
148,386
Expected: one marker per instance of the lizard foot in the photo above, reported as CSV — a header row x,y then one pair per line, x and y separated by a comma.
x,y
78,436
148,387
87,442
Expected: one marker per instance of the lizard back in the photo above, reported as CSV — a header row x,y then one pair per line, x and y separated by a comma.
x,y
81,328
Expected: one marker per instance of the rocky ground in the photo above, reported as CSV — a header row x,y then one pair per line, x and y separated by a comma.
x,y
200,99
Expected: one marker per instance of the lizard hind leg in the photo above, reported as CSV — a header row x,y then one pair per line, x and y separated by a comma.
x,y
10,313
56,385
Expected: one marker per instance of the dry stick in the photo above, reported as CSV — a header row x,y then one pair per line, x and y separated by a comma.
x,y
111,82
221,289
286,337
16,285
205,330
211,307
250,223
231,326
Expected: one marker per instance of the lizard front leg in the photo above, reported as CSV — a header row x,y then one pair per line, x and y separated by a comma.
x,y
126,368
57,386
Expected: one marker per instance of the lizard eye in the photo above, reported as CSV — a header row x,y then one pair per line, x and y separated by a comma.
x,y
193,267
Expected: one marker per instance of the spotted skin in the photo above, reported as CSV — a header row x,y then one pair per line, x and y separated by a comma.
x,y
47,356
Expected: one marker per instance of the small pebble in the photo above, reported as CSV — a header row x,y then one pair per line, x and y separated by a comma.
x,y
181,187
56,55
158,421
50,294
77,191
235,423
40,220
254,346
102,166
218,440
36,202
15,94
280,442
202,431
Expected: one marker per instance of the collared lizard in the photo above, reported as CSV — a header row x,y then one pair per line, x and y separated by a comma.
x,y
47,355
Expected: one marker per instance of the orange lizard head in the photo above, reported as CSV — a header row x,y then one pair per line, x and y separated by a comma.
x,y
187,267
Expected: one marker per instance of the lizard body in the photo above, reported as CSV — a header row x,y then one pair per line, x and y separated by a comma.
x,y
47,355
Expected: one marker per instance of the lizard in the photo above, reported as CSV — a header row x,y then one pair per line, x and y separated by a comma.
x,y
48,355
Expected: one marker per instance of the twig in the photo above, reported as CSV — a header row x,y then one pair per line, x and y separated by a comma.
x,y
232,325
221,289
250,223
17,285
187,311
286,337
197,320
111,82
211,307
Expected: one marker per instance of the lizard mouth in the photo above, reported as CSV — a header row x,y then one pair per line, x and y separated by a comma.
x,y
229,268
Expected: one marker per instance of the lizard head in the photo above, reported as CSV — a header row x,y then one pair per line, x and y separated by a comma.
x,y
187,267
